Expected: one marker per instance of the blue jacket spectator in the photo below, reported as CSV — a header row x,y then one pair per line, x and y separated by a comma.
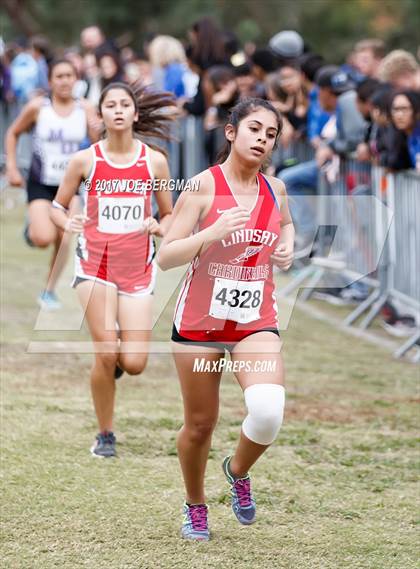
x,y
173,79
24,74
167,57
414,146
317,118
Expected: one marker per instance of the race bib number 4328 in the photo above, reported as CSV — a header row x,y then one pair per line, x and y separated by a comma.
x,y
120,215
236,300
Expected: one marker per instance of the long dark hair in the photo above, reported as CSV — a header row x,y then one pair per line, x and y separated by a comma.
x,y
208,48
118,75
413,98
153,108
241,111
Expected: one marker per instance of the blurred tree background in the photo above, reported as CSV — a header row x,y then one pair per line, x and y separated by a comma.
x,y
328,26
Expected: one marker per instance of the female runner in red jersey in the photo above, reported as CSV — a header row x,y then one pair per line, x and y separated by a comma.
x,y
115,267
231,231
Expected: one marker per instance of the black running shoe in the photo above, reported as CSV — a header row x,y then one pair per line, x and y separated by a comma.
x,y
104,446
118,372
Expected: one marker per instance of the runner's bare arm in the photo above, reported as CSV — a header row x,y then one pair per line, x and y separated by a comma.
x,y
283,255
180,246
280,192
23,123
77,170
163,196
94,123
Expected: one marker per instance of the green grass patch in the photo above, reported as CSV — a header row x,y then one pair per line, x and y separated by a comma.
x,y
338,490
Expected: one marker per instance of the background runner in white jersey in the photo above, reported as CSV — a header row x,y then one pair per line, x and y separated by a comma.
x,y
61,126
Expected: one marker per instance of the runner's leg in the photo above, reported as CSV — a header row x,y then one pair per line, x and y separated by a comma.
x,y
42,231
200,393
135,322
256,347
100,304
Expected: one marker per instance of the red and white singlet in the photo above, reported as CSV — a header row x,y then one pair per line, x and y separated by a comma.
x,y
112,248
228,291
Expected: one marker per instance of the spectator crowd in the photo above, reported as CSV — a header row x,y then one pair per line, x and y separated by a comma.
x,y
369,106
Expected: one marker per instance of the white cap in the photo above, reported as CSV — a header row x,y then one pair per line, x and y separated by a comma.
x,y
287,44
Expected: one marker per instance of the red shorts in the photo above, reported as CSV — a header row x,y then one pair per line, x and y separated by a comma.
x,y
131,280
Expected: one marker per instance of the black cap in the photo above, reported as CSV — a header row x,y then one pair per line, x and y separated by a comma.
x,y
265,59
242,70
310,64
334,78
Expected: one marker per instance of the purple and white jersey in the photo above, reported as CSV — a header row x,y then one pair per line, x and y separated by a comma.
x,y
55,140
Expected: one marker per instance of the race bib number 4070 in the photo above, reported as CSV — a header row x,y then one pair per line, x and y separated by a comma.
x,y
120,215
236,300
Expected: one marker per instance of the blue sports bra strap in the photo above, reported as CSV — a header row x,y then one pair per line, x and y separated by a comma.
x,y
271,191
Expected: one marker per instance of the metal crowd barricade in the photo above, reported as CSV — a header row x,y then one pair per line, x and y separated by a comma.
x,y
173,148
398,277
296,152
349,210
381,222
377,240
185,150
186,156
193,157
347,239
403,193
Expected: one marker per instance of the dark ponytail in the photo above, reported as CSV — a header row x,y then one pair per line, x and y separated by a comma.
x,y
153,108
241,111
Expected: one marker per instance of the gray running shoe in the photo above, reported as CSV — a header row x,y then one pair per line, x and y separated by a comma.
x,y
195,525
104,445
243,505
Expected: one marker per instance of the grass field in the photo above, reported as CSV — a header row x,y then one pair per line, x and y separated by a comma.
x,y
338,489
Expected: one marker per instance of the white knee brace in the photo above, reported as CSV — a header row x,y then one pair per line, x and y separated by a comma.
x,y
265,404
